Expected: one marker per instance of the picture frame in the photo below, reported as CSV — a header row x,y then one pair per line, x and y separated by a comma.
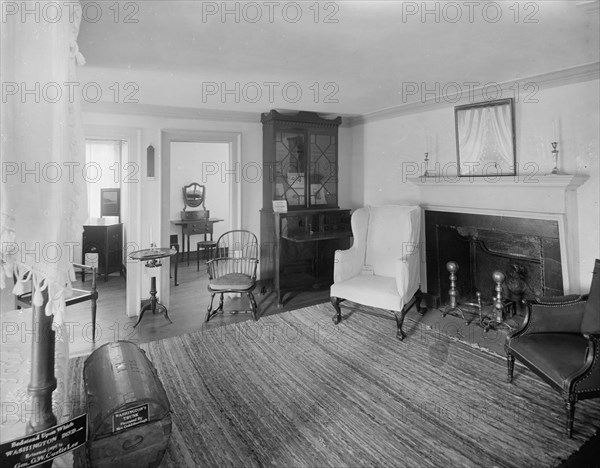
x,y
485,139
110,202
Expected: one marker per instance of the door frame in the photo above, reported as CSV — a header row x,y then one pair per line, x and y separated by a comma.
x,y
131,192
232,139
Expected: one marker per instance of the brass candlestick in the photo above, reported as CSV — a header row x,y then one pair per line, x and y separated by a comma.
x,y
426,173
555,157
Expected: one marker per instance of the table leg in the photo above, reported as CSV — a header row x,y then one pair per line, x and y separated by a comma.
x,y
153,305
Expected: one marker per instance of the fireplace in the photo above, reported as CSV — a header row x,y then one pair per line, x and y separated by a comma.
x,y
526,250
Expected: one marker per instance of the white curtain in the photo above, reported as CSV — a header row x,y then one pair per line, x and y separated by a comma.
x,y
43,203
485,139
43,189
500,126
471,131
103,157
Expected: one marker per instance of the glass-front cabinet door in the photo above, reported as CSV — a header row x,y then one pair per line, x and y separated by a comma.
x,y
323,170
290,164
300,154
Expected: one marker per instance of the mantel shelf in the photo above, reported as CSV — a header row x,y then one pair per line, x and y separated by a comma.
x,y
564,181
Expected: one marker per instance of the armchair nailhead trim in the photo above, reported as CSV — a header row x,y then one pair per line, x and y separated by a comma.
x,y
590,372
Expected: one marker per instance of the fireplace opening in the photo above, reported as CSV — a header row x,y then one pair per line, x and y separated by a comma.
x,y
527,251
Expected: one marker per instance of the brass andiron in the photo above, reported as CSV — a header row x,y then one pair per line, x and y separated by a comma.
x,y
555,157
501,306
452,268
498,278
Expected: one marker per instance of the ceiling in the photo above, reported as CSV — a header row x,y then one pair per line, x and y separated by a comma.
x,y
356,58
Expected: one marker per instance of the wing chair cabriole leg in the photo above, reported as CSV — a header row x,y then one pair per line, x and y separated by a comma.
x,y
510,362
415,300
570,404
419,298
335,302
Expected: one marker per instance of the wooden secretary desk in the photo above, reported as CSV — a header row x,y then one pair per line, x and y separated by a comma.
x,y
300,166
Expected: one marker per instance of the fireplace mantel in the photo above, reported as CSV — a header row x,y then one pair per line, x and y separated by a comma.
x,y
552,197
536,194
565,181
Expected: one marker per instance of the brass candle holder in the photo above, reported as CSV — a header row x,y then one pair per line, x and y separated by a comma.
x,y
426,173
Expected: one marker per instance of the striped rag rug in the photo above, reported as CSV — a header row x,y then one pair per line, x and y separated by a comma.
x,y
295,390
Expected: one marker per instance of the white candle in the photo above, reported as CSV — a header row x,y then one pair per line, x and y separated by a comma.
x,y
151,237
554,130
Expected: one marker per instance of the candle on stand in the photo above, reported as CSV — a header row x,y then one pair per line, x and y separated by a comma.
x,y
554,130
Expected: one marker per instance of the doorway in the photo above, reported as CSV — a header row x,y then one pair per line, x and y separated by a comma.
x,y
206,164
223,171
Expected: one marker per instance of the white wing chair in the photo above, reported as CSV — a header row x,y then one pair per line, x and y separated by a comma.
x,y
381,269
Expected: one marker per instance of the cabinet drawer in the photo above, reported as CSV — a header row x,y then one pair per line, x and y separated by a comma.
x,y
199,228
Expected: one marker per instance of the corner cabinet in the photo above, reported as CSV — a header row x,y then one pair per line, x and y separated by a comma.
x,y
300,158
300,165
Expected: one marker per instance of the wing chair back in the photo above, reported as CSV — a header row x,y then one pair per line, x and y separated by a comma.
x,y
591,315
392,233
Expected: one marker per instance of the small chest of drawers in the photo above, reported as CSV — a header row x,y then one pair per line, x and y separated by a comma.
x,y
106,240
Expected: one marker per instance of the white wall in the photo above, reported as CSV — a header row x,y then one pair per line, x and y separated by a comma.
x,y
149,128
391,149
199,162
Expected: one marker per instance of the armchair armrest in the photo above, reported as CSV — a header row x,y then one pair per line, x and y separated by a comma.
x,y
559,317
407,273
559,299
347,264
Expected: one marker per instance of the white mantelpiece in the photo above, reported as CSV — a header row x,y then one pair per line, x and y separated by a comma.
x,y
552,197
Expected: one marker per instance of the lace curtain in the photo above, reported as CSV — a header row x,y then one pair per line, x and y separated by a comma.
x,y
43,190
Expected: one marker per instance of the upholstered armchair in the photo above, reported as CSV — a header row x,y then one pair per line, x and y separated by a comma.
x,y
560,342
381,269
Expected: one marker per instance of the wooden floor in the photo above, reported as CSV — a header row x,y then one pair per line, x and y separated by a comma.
x,y
188,306
187,310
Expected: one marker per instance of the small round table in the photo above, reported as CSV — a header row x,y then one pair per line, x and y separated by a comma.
x,y
152,258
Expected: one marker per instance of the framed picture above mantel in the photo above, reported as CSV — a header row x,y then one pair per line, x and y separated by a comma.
x,y
485,139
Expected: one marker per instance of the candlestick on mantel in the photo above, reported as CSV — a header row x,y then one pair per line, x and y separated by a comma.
x,y
555,157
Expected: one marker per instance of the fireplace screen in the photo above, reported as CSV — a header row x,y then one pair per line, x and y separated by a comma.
x,y
527,251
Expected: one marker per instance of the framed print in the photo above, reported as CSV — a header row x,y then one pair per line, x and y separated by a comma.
x,y
485,139
110,202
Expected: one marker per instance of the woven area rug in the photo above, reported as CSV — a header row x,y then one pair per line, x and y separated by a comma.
x,y
294,390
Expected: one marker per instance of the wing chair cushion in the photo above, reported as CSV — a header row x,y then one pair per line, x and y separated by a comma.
x,y
556,355
376,291
391,231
